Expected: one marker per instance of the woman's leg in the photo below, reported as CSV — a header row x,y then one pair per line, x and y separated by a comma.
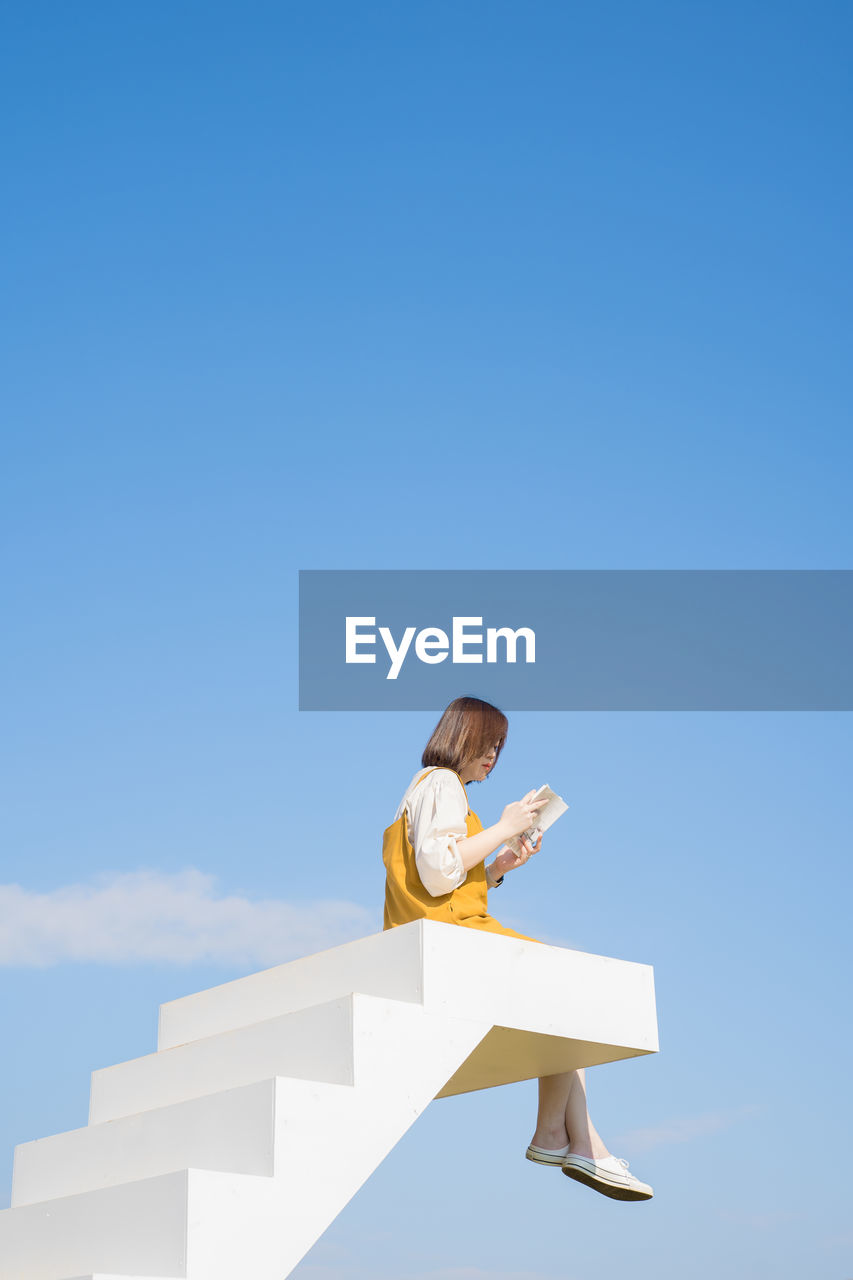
x,y
563,1116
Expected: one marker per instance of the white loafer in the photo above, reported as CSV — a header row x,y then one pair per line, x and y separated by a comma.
x,y
610,1176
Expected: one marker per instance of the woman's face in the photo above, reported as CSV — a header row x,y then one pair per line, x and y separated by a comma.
x,y
479,768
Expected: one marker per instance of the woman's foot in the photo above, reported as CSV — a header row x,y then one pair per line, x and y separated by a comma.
x,y
551,1137
546,1155
550,1145
590,1148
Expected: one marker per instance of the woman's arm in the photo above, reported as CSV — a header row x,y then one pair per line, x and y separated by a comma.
x,y
473,850
438,806
517,817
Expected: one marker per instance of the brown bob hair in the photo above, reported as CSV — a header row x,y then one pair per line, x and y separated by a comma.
x,y
465,731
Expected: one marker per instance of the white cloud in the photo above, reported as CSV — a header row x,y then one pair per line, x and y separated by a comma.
x,y
151,916
684,1129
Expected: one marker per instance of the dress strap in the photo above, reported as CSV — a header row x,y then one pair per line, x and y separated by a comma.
x,y
434,769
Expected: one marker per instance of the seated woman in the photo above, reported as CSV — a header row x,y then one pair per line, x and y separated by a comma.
x,y
435,855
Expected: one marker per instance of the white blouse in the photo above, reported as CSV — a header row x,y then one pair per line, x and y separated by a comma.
x,y
435,816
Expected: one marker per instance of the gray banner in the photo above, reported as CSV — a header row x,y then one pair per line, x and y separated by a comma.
x,y
576,640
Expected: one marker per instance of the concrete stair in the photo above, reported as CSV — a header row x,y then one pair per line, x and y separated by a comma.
x,y
270,1100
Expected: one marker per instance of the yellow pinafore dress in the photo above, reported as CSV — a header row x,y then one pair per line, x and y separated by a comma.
x,y
407,899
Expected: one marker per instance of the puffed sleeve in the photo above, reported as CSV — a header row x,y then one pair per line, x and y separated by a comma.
x,y
437,809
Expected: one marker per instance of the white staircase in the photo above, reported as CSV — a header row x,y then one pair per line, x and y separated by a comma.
x,y
271,1100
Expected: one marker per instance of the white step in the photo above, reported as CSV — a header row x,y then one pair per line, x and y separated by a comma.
x,y
237,1131
136,1229
232,1131
312,1044
384,964
195,1225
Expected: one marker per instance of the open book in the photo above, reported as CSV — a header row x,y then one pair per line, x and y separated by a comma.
x,y
547,816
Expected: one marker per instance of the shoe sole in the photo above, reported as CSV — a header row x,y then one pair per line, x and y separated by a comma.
x,y
615,1190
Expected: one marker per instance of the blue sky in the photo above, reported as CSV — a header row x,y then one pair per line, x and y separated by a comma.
x,y
428,286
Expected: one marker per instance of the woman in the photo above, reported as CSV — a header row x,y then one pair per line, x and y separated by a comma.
x,y
435,855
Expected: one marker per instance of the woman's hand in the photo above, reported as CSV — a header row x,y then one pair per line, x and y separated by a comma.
x,y
506,860
515,819
520,815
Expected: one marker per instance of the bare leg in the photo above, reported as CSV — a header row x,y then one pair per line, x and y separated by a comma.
x,y
551,1132
584,1137
563,1116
